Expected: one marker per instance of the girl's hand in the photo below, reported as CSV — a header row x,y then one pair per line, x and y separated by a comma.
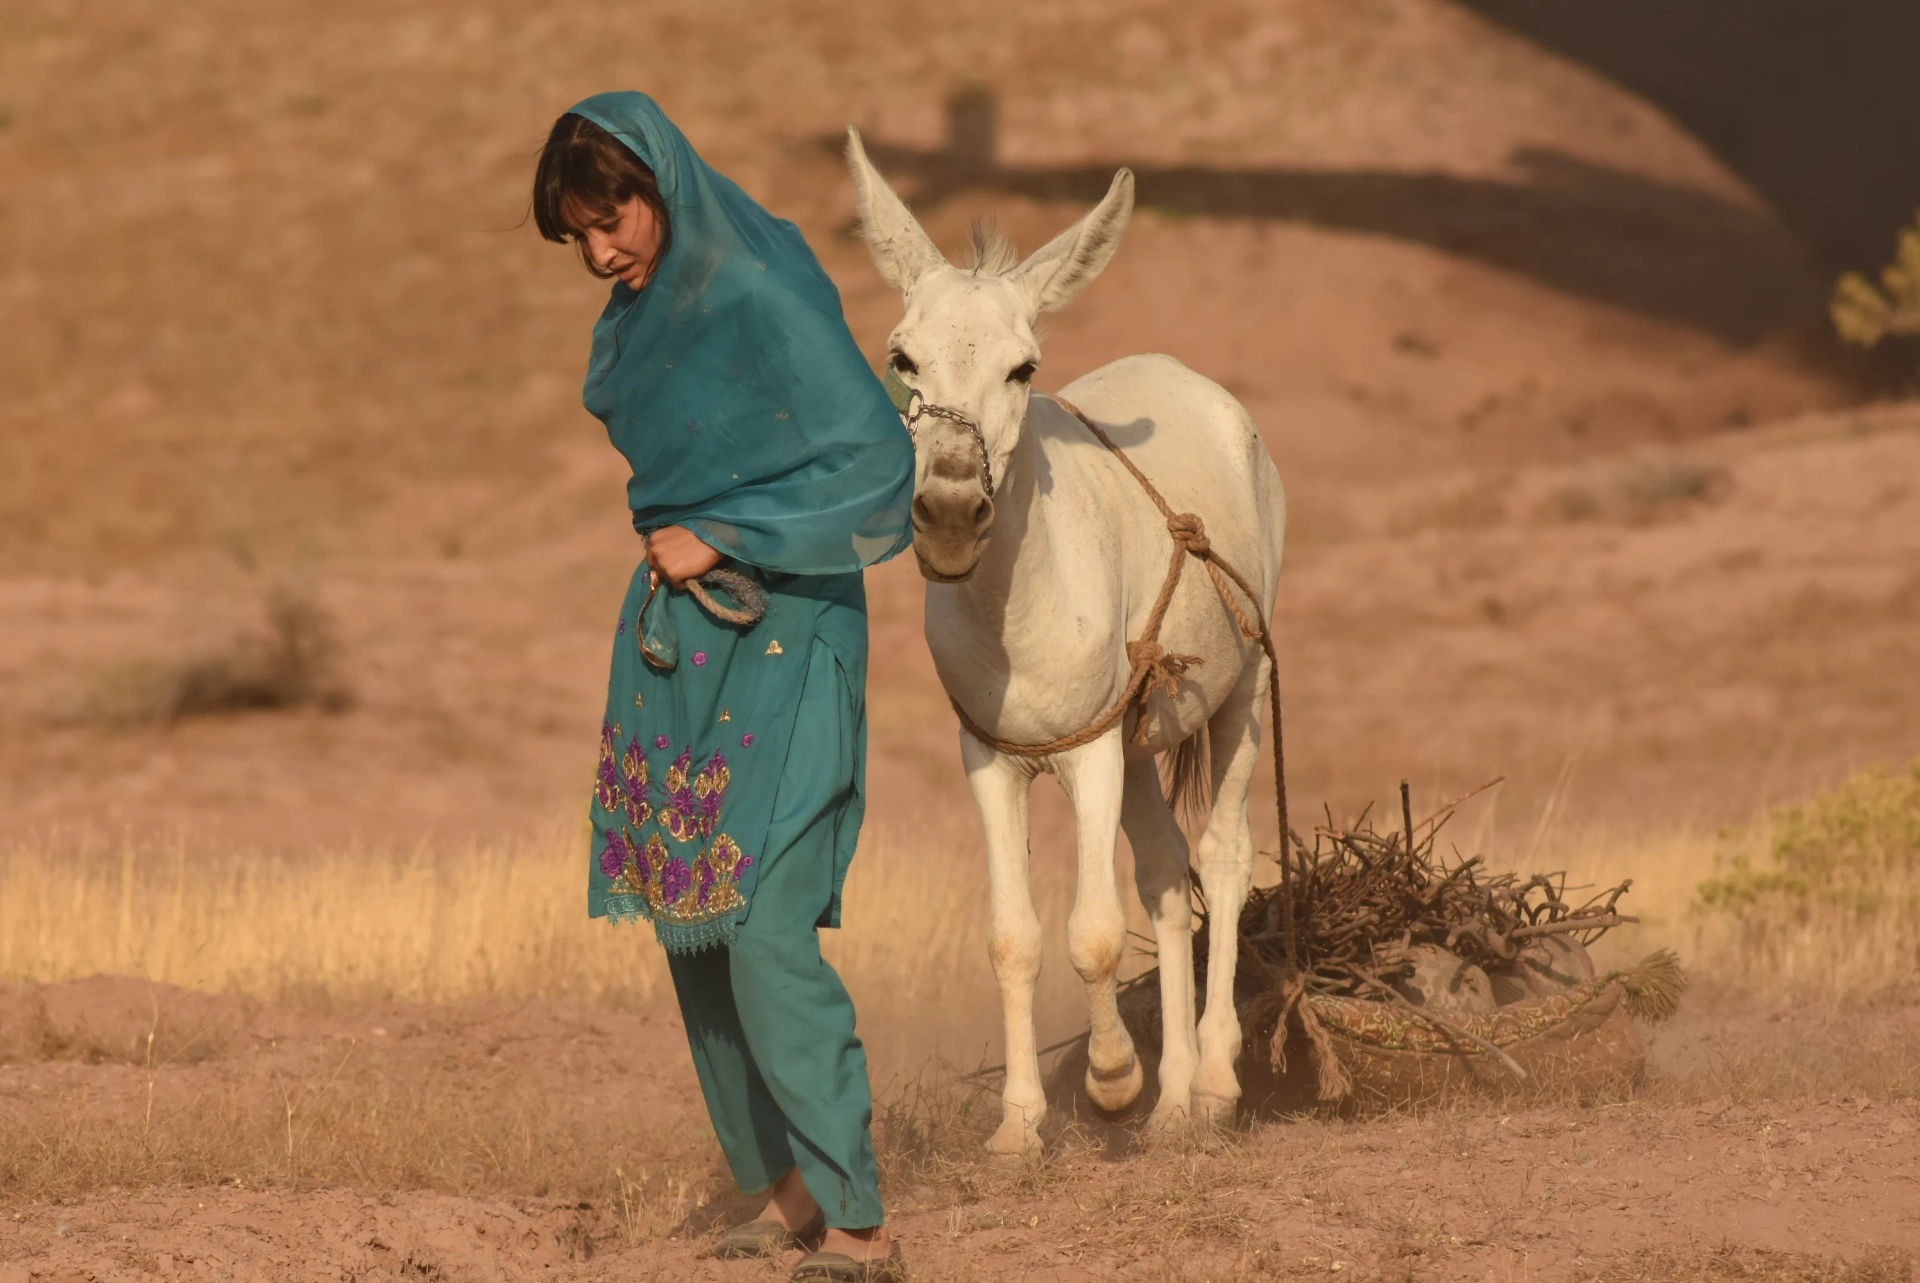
x,y
677,555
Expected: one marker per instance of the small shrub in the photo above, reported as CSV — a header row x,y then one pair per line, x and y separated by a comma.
x,y
1652,485
1640,491
1851,846
294,663
1840,882
1865,314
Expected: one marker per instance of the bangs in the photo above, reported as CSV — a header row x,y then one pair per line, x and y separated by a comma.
x,y
573,176
585,173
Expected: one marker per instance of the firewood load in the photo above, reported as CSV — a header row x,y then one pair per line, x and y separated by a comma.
x,y
1416,977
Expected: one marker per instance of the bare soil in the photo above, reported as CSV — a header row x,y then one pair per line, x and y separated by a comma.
x,y
301,1183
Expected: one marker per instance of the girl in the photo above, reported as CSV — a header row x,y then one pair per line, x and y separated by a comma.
x,y
768,462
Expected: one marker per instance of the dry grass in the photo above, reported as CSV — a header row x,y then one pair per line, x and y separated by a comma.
x,y
338,928
430,926
348,927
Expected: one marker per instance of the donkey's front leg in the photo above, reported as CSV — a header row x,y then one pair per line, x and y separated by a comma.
x,y
1094,776
1001,784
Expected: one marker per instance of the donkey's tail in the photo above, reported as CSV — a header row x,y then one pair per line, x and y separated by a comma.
x,y
1187,781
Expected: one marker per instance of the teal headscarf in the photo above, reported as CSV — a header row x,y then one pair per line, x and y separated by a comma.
x,y
732,385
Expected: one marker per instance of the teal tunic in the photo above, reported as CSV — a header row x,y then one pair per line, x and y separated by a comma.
x,y
680,830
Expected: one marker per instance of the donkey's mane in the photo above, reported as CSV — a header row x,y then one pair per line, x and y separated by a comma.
x,y
991,251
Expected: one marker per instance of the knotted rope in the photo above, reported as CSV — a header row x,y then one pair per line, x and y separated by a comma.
x,y
753,602
1154,667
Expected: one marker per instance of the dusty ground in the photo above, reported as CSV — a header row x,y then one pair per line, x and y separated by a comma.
x,y
1581,493
1708,1164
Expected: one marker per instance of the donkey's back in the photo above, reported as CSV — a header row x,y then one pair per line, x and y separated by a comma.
x,y
1199,448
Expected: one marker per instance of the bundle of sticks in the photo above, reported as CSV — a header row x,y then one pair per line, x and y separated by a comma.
x,y
1362,898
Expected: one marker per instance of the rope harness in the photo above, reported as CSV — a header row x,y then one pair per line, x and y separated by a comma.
x,y
1154,667
753,602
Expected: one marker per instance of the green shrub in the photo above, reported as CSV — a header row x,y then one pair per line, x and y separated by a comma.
x,y
1854,847
1864,313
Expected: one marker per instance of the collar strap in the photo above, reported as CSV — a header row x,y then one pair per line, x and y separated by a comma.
x,y
897,390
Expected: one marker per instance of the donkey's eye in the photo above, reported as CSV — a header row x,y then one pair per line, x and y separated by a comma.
x,y
1022,373
904,363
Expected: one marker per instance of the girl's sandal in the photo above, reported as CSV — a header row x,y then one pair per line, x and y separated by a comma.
x,y
835,1267
769,1238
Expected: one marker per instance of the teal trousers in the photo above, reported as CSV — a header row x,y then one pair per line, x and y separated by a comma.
x,y
770,1024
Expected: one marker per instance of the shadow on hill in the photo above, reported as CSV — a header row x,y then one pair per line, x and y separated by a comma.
x,y
1656,248
1814,102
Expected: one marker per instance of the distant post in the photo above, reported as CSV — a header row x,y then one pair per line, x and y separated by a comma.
x,y
973,121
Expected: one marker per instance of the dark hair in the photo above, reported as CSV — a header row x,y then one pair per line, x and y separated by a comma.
x,y
587,167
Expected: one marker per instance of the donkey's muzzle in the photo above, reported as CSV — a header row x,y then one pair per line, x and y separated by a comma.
x,y
950,527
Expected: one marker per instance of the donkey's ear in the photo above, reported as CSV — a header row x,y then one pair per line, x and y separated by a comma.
x,y
1068,263
901,250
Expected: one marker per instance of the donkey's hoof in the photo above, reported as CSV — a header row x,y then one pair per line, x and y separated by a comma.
x,y
1214,1111
1014,1138
1113,1090
1171,1120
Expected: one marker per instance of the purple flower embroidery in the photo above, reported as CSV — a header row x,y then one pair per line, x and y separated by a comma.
x,y
614,858
662,742
699,658
675,878
621,631
746,741
706,881
607,790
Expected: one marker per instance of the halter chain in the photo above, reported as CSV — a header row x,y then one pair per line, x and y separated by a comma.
x,y
918,407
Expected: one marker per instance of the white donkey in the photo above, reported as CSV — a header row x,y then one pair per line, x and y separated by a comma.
x,y
1044,559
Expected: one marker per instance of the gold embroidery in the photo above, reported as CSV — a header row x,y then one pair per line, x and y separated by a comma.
x,y
687,884
725,716
773,647
636,702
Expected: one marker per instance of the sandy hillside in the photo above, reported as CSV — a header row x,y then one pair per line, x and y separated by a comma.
x,y
305,343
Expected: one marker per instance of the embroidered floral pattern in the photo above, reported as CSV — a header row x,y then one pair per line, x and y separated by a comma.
x,y
633,775
697,878
608,791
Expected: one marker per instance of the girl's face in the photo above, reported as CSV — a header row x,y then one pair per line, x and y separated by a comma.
x,y
625,242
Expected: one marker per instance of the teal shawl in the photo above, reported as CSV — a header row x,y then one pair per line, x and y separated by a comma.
x,y
732,384
734,389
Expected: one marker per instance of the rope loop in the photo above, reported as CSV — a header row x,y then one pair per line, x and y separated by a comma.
x,y
1190,533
